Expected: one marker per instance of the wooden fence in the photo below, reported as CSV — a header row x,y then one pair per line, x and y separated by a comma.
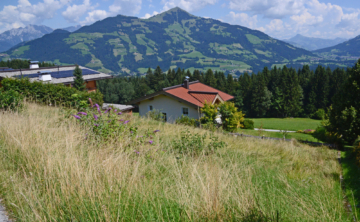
x,y
332,146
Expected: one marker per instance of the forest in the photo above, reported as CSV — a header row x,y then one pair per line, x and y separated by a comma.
x,y
22,64
277,92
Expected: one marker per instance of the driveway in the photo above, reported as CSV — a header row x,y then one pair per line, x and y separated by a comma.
x,y
273,130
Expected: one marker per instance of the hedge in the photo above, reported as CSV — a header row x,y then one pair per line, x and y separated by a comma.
x,y
56,94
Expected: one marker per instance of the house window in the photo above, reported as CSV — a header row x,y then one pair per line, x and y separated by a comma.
x,y
150,108
185,111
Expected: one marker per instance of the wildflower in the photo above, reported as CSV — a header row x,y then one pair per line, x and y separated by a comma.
x,y
82,113
131,132
77,117
96,124
137,152
155,131
115,110
151,142
107,110
126,121
119,113
121,120
91,103
96,117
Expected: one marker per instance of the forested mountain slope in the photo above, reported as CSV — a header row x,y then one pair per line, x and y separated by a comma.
x,y
349,48
172,39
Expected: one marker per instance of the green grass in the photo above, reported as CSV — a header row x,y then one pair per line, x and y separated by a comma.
x,y
292,124
351,174
298,136
52,169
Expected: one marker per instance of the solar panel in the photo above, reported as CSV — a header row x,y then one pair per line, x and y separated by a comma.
x,y
61,74
5,69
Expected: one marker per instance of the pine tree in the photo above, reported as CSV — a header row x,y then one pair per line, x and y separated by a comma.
x,y
210,79
78,80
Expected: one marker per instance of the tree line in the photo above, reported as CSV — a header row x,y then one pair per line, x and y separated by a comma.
x,y
22,64
275,92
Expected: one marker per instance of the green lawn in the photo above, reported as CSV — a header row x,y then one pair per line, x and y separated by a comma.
x,y
292,124
351,174
298,136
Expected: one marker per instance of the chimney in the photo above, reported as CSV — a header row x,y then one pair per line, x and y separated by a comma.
x,y
34,64
45,75
186,82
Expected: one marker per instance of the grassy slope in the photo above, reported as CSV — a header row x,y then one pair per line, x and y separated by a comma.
x,y
351,174
292,124
50,172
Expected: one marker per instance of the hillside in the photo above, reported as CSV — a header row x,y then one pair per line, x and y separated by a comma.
x,y
349,48
311,44
54,169
172,39
13,37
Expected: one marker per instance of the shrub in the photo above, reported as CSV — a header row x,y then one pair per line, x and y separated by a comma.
x,y
248,124
209,112
195,144
11,100
57,94
300,131
155,115
319,114
110,125
322,134
185,120
308,131
357,151
231,118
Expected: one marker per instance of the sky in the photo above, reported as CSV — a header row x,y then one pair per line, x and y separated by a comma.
x,y
280,19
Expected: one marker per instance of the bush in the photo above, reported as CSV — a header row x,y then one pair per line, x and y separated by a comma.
x,y
231,118
110,124
357,151
185,120
322,134
319,114
57,94
300,131
248,124
155,115
209,112
11,100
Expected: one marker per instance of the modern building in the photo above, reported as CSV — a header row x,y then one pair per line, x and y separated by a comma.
x,y
55,75
186,99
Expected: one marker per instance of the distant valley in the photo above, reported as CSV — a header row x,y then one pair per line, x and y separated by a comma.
x,y
312,44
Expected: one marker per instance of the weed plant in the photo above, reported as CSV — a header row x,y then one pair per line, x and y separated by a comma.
x,y
52,171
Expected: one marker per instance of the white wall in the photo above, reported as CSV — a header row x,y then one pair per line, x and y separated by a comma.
x,y
168,105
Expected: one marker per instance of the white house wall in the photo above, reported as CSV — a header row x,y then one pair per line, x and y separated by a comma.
x,y
168,105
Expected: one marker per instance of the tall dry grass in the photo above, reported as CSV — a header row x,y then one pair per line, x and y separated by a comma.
x,y
50,172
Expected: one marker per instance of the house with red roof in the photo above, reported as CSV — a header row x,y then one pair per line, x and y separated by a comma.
x,y
186,99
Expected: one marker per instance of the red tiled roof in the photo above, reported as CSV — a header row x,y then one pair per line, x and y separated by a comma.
x,y
202,97
198,93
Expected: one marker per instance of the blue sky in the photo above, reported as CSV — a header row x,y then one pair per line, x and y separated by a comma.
x,y
278,18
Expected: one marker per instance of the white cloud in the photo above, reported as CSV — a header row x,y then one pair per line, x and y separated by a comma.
x,y
147,15
126,7
270,9
187,5
94,16
25,13
243,19
73,12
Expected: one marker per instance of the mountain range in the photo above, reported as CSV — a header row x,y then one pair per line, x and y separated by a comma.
x,y
312,44
172,39
14,37
350,48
